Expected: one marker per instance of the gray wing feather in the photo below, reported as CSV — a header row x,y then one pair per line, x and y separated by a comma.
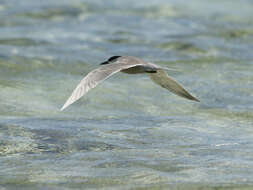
x,y
94,78
161,78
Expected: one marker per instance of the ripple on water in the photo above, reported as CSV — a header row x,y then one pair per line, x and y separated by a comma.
x,y
17,140
127,133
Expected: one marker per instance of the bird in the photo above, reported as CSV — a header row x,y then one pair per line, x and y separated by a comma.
x,y
129,65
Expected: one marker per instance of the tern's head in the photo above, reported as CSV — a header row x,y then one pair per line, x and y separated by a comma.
x,y
110,60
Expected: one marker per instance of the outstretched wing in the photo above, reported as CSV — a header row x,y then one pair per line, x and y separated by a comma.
x,y
161,78
94,78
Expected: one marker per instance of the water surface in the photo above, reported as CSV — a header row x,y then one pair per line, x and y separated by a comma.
x,y
127,133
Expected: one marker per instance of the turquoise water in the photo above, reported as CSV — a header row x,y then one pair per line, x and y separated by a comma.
x,y
128,133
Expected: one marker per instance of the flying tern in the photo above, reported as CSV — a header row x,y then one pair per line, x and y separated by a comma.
x,y
129,65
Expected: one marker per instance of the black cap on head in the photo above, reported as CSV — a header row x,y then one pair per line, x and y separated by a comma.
x,y
111,59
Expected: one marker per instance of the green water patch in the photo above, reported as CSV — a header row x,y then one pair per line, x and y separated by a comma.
x,y
208,60
119,41
25,42
184,47
165,11
199,62
55,13
20,64
49,14
8,83
243,34
126,39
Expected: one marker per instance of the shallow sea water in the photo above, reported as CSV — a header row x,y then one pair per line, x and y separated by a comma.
x,y
127,133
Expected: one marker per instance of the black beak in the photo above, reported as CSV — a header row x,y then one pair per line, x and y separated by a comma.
x,y
106,62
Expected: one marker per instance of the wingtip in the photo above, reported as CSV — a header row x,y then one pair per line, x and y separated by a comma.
x,y
190,97
195,99
63,107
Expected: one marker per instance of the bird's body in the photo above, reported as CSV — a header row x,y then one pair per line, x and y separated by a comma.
x,y
129,65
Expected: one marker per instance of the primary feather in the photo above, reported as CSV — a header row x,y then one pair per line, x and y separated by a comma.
x,y
93,79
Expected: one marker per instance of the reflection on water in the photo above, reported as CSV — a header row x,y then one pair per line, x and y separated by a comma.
x,y
127,133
